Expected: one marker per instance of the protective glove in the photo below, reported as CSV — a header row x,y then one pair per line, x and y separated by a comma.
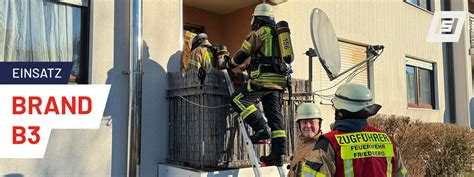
x,y
225,62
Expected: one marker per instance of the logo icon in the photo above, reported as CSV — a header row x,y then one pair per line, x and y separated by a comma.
x,y
446,26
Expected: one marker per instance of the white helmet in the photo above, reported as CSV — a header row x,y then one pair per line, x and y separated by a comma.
x,y
263,10
352,97
308,111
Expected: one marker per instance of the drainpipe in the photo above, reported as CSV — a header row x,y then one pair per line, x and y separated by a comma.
x,y
449,70
135,88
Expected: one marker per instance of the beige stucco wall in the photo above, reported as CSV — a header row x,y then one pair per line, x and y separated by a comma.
x,y
400,27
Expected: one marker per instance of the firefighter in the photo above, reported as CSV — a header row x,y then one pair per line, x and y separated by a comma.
x,y
267,81
201,57
354,148
308,119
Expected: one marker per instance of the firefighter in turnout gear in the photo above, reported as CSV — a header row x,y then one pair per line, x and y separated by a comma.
x,y
267,81
354,148
201,57
308,119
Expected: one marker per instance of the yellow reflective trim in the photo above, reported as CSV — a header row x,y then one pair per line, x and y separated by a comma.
x,y
404,171
268,42
308,171
265,36
233,62
249,110
269,80
255,73
193,62
272,78
268,30
249,88
348,168
278,133
268,48
273,74
207,60
365,144
237,101
389,166
246,46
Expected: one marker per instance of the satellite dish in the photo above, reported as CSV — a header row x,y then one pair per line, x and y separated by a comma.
x,y
325,42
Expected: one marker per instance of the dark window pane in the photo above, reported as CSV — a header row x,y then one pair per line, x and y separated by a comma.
x,y
77,43
413,1
411,84
426,90
424,4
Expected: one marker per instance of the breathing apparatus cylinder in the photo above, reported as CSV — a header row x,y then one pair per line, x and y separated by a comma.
x,y
286,48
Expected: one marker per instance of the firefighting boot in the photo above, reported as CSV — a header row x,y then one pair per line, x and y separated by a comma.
x,y
257,123
272,160
278,152
260,136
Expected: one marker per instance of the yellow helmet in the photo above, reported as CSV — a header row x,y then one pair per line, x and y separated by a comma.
x,y
263,10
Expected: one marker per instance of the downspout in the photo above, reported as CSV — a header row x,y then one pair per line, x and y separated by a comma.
x,y
448,58
135,88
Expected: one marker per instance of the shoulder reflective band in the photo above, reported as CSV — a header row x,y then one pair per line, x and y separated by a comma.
x,y
365,144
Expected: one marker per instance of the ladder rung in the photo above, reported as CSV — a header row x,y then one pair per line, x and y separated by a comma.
x,y
262,142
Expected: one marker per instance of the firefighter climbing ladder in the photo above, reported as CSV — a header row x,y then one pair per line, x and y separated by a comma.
x,y
248,142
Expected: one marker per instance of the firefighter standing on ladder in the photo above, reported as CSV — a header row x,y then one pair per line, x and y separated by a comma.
x,y
268,80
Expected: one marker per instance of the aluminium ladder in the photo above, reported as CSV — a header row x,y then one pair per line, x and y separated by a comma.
x,y
248,142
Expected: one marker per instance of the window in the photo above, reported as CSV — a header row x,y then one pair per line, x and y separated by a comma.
x,y
193,28
351,54
427,5
44,30
420,84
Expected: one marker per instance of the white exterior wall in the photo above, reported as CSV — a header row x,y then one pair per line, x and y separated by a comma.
x,y
463,70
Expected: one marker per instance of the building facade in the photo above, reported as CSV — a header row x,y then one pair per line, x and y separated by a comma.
x,y
431,82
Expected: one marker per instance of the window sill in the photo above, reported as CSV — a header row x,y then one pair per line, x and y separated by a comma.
x,y
418,7
421,109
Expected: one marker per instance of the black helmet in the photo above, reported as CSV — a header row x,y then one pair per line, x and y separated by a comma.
x,y
221,49
197,40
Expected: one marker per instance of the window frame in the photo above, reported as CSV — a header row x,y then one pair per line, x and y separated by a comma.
x,y
84,69
369,71
85,36
431,4
417,88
